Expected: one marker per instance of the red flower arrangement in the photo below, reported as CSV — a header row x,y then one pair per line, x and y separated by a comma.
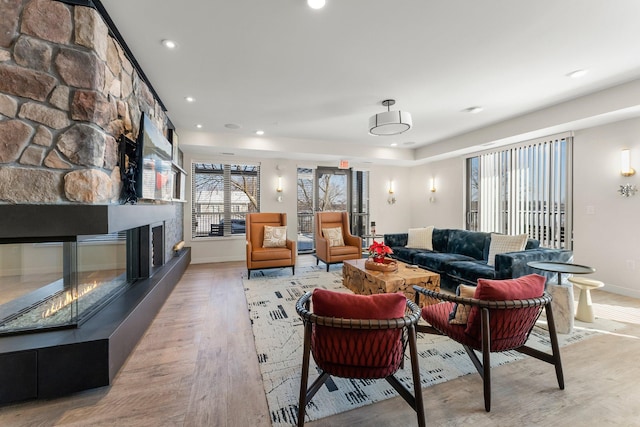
x,y
378,251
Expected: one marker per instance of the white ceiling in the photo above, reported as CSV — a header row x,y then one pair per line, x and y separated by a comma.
x,y
316,76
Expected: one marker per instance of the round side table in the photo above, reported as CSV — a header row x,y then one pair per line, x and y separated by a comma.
x,y
585,306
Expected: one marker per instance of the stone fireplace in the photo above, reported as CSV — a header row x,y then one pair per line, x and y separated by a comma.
x,y
69,89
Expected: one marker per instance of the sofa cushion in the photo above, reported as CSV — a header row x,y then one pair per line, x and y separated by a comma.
x,y
406,254
420,238
440,239
469,243
436,262
469,271
502,243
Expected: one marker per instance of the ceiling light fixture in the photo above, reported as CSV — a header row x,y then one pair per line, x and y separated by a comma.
x,y
259,132
577,74
190,99
199,126
316,4
389,122
394,144
169,44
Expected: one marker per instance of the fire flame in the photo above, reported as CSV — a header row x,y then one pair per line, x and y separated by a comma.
x,y
68,298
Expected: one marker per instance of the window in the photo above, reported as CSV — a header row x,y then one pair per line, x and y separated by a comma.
x,y
523,189
222,196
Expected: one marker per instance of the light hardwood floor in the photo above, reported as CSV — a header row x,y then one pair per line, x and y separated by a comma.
x,y
197,366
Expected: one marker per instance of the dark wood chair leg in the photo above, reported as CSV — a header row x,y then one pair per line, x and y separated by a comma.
x,y
415,370
555,348
304,379
248,274
486,359
293,270
327,267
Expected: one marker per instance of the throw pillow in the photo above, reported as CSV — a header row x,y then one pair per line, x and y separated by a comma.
x,y
350,306
460,313
275,237
502,243
525,287
334,236
420,238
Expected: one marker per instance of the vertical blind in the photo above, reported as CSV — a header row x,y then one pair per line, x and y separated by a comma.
x,y
527,190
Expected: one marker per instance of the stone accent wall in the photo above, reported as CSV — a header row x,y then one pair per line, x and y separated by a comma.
x,y
67,93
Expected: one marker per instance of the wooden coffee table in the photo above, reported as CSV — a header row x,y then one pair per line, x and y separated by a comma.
x,y
366,282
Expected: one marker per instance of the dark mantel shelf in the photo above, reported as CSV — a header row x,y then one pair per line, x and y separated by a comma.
x,y
57,221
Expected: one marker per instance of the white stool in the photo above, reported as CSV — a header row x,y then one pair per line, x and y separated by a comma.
x,y
585,306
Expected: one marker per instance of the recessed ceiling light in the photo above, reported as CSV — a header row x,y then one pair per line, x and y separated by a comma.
x,y
473,110
259,132
316,4
199,126
394,144
577,74
190,99
232,126
169,44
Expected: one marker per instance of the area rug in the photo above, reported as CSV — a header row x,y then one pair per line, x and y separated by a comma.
x,y
278,334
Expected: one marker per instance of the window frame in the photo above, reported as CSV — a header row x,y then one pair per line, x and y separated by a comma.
x,y
223,214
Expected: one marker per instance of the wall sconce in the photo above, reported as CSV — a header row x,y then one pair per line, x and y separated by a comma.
x,y
432,198
391,199
279,189
625,163
627,190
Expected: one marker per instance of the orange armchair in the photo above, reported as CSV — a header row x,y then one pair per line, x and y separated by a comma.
x,y
327,250
258,256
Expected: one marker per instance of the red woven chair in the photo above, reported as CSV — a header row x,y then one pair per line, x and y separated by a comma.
x,y
494,324
370,346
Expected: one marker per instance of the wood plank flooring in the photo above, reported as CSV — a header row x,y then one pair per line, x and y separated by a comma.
x,y
197,366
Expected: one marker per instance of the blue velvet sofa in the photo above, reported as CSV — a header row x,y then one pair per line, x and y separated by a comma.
x,y
460,256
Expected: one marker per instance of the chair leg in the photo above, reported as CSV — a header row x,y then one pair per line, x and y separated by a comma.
x,y
248,274
555,348
415,370
304,379
293,270
327,267
486,359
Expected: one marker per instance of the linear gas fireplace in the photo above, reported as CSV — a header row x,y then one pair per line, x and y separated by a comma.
x,y
48,285
79,284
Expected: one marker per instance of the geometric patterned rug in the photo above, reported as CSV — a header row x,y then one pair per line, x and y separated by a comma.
x,y
278,333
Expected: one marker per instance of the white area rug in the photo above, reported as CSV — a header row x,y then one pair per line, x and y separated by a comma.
x,y
278,332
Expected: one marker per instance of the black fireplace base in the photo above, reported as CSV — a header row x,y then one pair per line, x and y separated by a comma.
x,y
57,363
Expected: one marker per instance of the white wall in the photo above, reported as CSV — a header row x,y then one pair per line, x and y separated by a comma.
x,y
389,218
443,208
606,224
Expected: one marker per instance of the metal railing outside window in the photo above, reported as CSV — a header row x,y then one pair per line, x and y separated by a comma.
x,y
222,196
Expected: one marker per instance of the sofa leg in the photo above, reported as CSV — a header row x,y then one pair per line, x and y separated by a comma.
x,y
327,267
248,274
293,270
